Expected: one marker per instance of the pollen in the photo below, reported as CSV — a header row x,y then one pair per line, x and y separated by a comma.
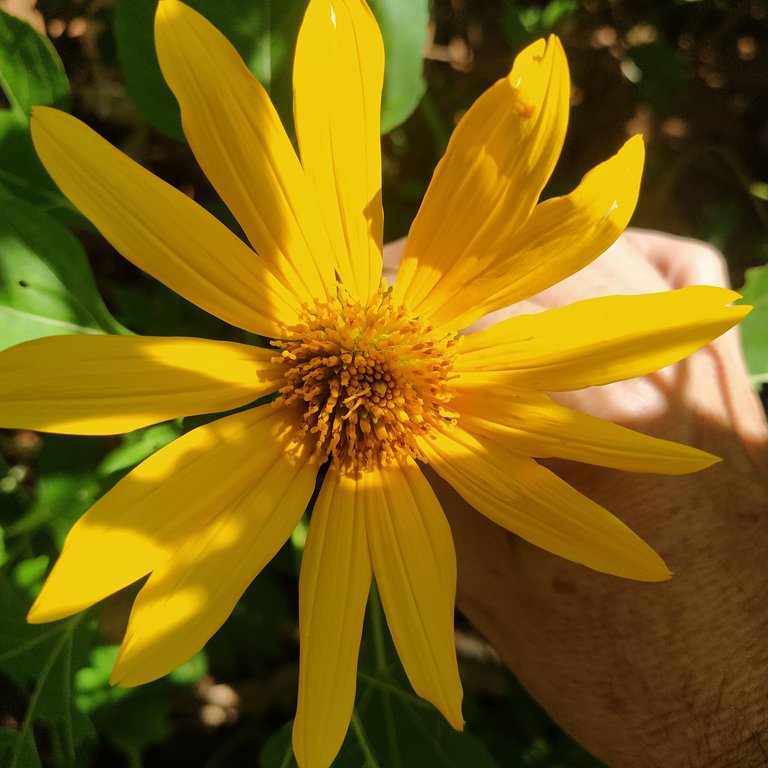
x,y
368,378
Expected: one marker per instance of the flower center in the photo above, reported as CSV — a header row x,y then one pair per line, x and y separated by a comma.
x,y
369,378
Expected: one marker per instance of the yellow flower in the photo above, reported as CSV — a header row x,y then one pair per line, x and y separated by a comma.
x,y
373,382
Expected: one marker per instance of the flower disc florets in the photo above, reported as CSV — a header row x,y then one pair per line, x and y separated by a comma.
x,y
369,378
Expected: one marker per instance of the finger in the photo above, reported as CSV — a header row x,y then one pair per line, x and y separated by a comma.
x,y
392,254
622,269
719,369
681,261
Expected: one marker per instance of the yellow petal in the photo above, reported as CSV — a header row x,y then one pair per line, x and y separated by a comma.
x,y
103,385
241,145
523,497
337,80
414,562
151,512
532,425
189,596
561,237
160,229
601,340
485,187
333,590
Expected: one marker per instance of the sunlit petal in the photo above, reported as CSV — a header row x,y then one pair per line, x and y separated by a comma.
x,y
160,229
487,184
333,589
533,425
241,145
520,495
562,236
414,562
597,341
103,385
368,380
156,508
192,593
337,79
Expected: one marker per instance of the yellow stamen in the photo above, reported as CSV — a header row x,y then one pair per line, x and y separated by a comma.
x,y
369,378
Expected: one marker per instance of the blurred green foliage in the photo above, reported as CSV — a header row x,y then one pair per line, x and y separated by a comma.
x,y
262,32
31,73
754,328
46,284
691,75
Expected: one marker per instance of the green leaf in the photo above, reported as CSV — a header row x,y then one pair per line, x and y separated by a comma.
x,y
191,671
391,726
28,574
66,486
263,32
41,659
277,751
31,74
520,24
399,729
391,729
265,35
555,12
660,73
46,284
137,446
540,21
92,681
754,328
17,746
403,25
132,719
133,24
138,720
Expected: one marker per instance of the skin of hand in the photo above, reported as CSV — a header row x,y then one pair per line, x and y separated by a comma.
x,y
670,675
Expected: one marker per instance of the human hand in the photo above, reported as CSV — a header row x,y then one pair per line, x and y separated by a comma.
x,y
644,675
